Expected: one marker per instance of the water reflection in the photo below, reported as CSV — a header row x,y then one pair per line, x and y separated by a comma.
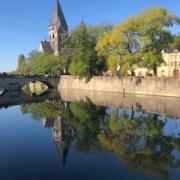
x,y
140,143
1,90
35,88
139,140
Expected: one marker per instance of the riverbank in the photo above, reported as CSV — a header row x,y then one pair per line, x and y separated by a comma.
x,y
132,85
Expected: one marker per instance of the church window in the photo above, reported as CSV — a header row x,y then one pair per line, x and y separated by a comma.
x,y
53,36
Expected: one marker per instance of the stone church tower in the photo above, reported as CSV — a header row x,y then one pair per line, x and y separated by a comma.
x,y
57,27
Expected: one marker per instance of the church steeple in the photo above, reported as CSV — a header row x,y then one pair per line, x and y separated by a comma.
x,y
58,19
57,26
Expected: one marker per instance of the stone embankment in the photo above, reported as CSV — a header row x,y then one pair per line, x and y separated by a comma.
x,y
133,85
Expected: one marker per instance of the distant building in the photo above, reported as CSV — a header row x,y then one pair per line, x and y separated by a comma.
x,y
143,72
169,68
57,27
171,65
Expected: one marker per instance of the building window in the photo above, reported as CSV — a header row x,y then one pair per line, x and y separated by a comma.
x,y
163,73
179,63
139,73
175,63
53,36
171,63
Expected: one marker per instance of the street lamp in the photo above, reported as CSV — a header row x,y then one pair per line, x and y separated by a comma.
x,y
118,67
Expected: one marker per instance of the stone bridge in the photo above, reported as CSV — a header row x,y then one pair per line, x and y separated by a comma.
x,y
15,83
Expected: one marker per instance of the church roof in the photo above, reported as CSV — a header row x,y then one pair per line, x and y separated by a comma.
x,y
46,46
58,18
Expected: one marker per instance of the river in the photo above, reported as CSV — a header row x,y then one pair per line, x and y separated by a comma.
x,y
90,136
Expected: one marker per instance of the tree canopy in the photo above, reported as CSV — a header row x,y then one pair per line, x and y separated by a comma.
x,y
85,62
140,40
92,50
22,65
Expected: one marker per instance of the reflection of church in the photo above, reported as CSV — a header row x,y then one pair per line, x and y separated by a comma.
x,y
61,136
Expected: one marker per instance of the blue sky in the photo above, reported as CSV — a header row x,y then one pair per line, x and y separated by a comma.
x,y
23,23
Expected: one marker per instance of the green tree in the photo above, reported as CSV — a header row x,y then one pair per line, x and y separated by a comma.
x,y
146,34
22,65
176,43
85,62
66,52
41,63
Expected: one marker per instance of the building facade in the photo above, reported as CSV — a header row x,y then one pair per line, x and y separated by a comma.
x,y
169,68
171,65
57,28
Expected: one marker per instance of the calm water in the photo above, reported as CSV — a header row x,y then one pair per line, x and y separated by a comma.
x,y
80,140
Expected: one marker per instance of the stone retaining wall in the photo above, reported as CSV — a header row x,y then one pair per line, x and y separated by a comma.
x,y
134,85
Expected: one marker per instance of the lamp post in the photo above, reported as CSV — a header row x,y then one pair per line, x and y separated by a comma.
x,y
118,67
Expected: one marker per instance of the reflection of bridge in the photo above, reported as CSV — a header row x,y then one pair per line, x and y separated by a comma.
x,y
11,86
18,98
14,83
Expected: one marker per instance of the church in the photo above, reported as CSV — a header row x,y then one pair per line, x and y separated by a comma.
x,y
57,27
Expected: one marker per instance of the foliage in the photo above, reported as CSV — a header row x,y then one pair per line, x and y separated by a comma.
x,y
40,63
66,52
176,43
22,65
85,62
146,34
92,50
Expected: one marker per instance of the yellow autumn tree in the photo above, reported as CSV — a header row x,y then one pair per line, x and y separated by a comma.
x,y
146,34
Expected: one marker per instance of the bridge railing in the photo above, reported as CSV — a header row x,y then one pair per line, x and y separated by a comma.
x,y
30,76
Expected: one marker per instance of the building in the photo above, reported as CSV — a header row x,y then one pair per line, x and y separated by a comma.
x,y
171,65
57,27
143,72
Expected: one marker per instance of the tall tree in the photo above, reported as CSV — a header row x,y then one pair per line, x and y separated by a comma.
x,y
85,62
146,34
22,65
41,63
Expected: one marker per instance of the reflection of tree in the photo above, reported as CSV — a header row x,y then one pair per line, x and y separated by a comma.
x,y
78,121
43,110
52,114
140,144
86,124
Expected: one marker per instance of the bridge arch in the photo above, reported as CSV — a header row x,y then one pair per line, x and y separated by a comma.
x,y
15,83
2,90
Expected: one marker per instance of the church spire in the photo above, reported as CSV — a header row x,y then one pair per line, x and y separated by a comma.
x,y
58,19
